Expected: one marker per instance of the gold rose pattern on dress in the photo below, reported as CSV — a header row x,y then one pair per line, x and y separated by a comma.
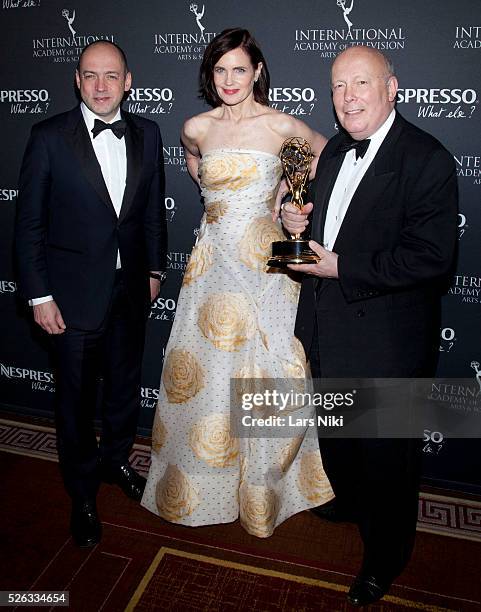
x,y
233,172
243,466
215,210
175,496
182,377
265,339
295,370
251,370
226,329
159,433
255,244
258,510
200,261
211,441
298,349
297,367
288,453
292,289
248,380
227,320
312,481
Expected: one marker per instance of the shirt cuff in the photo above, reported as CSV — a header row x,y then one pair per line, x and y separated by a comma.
x,y
40,300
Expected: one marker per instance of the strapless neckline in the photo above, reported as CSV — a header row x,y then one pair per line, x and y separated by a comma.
x,y
239,150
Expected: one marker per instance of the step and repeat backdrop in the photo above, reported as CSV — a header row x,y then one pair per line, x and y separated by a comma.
x,y
436,48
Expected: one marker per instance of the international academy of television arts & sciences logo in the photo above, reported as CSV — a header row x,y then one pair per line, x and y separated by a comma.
x,y
467,37
174,157
66,45
468,167
190,44
461,398
466,288
328,42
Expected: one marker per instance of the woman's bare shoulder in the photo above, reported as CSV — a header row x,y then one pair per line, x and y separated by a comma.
x,y
197,126
282,123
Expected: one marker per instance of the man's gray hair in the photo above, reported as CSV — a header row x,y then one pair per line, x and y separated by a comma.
x,y
389,65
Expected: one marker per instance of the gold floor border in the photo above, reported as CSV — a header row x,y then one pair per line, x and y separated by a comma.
x,y
165,550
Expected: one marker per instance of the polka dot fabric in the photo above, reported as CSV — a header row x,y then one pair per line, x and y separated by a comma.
x,y
235,319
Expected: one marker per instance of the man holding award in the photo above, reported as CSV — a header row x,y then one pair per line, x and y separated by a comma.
x,y
384,204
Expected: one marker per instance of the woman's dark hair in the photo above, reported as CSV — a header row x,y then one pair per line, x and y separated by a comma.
x,y
226,41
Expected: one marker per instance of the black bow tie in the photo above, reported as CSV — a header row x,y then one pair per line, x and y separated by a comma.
x,y
360,146
117,127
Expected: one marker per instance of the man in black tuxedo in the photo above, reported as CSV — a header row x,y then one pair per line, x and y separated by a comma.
x,y
90,251
384,204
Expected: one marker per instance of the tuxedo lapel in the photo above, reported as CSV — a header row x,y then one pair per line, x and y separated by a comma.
x,y
324,185
361,203
77,136
134,147
325,179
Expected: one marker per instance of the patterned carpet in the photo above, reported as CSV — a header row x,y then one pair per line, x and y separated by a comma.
x,y
144,563
438,514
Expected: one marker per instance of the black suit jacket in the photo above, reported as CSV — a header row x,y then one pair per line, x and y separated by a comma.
x,y
67,231
396,246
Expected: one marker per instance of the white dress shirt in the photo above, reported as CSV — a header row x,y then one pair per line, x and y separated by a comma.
x,y
348,179
112,157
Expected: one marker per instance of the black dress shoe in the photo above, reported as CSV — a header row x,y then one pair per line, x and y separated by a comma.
x,y
131,483
366,590
85,525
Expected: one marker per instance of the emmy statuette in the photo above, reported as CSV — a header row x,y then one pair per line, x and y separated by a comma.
x,y
296,157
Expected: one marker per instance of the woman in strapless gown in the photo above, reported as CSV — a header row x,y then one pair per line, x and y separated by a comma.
x,y
235,317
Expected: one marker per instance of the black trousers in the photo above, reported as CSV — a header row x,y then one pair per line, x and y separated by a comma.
x,y
114,353
376,484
